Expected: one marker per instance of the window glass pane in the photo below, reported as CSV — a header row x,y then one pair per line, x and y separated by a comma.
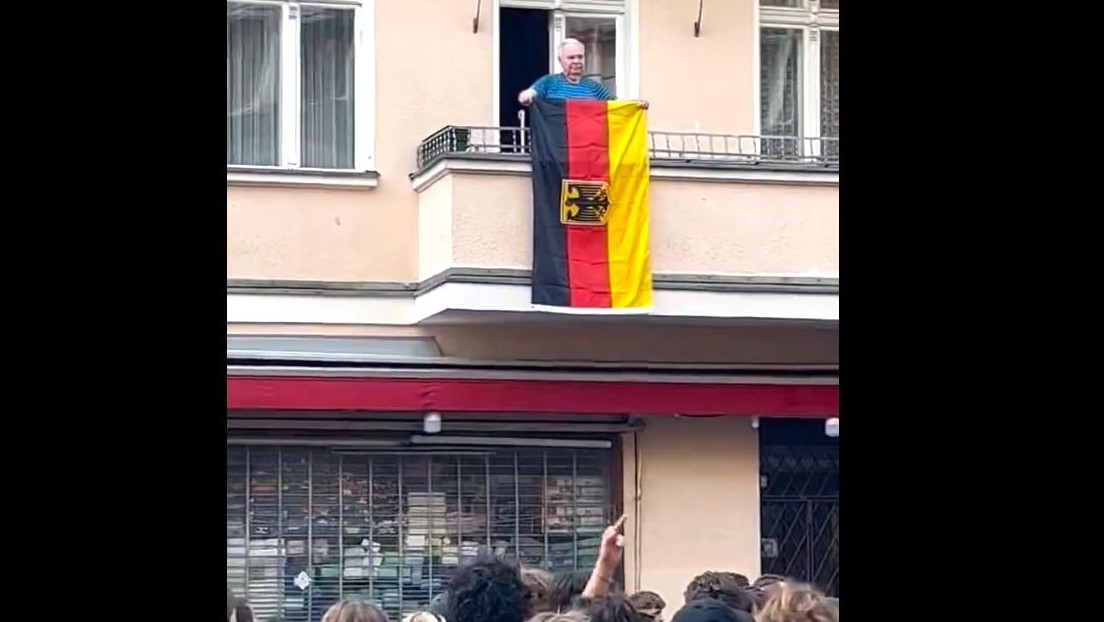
x,y
327,88
794,4
252,84
599,35
829,89
829,4
779,89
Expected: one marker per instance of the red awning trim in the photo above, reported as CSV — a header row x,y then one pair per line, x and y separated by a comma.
x,y
568,397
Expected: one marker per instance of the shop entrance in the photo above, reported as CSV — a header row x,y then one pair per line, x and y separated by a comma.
x,y
799,501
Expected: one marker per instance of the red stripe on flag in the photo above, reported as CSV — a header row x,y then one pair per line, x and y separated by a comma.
x,y
588,160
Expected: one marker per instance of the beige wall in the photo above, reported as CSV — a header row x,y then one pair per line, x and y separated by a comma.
x,y
698,503
426,55
432,71
698,84
697,227
320,235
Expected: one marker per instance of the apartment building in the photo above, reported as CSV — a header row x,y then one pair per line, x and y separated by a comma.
x,y
394,401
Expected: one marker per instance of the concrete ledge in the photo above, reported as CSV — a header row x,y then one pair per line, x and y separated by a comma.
x,y
661,169
507,276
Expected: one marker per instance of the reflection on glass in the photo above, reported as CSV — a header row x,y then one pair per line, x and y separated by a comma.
x,y
780,104
599,35
327,94
252,84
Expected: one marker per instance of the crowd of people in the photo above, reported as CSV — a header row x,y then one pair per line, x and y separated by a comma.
x,y
492,589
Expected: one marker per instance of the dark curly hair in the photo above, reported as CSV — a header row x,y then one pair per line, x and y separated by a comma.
x,y
723,586
488,589
648,604
611,608
570,585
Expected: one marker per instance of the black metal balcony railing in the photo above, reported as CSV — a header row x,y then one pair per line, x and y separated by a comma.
x,y
512,143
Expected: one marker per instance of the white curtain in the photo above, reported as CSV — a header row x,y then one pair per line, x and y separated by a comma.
x,y
780,95
252,84
325,101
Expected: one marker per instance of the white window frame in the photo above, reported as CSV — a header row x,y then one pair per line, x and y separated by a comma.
x,y
625,13
810,19
559,33
364,63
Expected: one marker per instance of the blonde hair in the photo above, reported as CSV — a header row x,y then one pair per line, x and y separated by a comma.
x,y
354,611
423,616
552,616
795,602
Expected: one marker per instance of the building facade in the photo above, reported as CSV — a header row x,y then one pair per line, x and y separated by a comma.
x,y
379,236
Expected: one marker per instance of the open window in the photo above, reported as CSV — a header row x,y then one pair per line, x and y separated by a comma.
x,y
530,32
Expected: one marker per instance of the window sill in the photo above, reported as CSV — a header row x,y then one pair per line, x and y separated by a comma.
x,y
300,178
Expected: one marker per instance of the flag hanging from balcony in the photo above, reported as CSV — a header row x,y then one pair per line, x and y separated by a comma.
x,y
590,206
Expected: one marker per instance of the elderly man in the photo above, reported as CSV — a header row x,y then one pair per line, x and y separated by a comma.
x,y
569,84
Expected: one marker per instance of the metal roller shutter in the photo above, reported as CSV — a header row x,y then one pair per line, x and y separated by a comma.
x,y
390,526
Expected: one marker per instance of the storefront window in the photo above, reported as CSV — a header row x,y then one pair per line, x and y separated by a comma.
x,y
307,527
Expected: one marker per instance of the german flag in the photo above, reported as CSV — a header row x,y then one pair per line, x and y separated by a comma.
x,y
590,205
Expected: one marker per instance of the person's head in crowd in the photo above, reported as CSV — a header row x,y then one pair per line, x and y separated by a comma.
x,y
710,610
554,616
354,611
487,589
758,597
722,586
423,616
649,605
795,602
612,607
541,593
570,585
768,579
738,578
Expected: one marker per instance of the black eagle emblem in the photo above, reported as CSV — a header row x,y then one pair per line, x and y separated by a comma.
x,y
584,202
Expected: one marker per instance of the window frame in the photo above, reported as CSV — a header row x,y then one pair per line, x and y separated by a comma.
x,y
559,33
810,19
364,62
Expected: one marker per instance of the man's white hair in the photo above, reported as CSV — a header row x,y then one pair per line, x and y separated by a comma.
x,y
569,41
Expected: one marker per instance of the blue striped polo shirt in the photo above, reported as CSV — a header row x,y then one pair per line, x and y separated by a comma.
x,y
556,86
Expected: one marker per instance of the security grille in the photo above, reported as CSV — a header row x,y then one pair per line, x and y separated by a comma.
x,y
799,483
801,540
307,527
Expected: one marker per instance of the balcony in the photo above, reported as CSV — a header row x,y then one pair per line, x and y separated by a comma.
x,y
727,211
667,149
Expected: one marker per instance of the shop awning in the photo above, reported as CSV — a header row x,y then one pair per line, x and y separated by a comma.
x,y
409,374
259,392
